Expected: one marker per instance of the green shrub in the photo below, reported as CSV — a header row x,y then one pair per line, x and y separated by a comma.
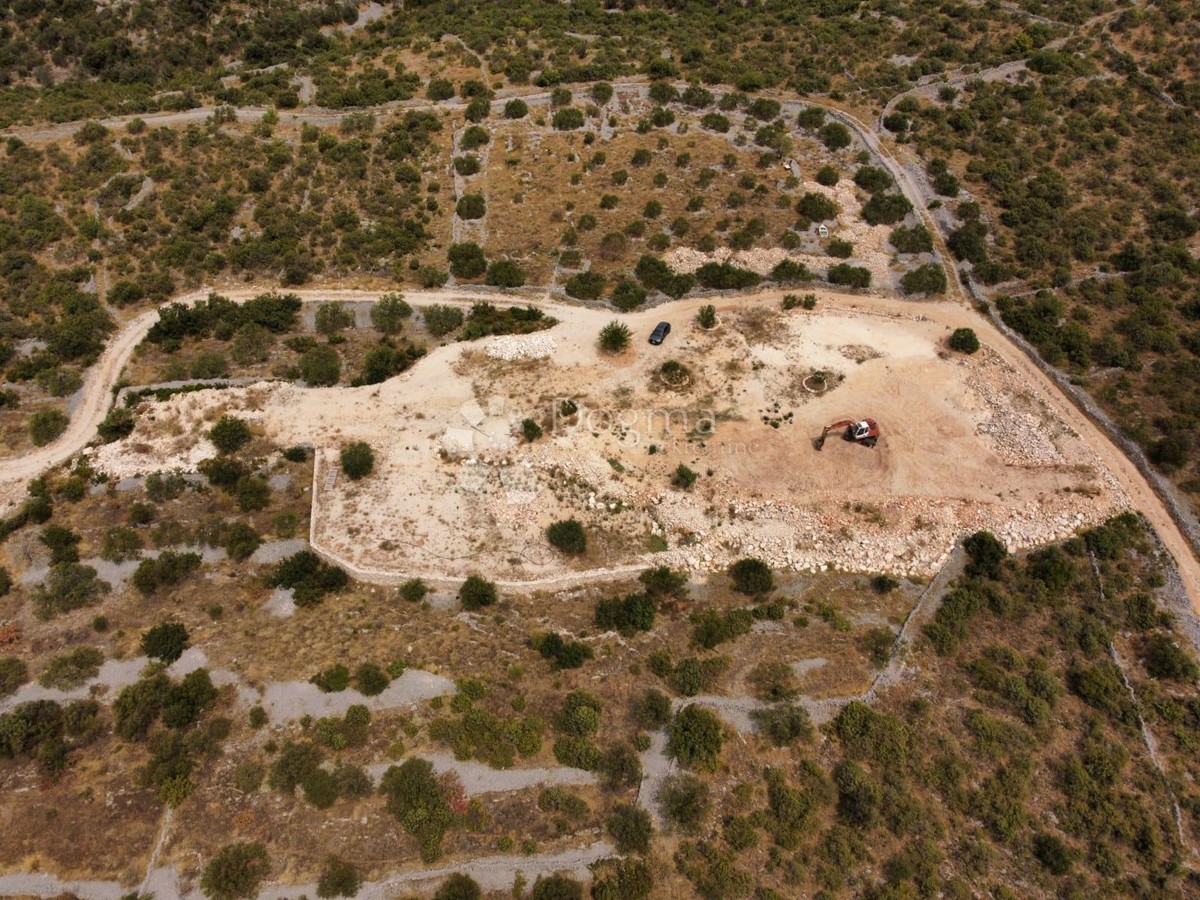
x,y
358,460
441,319
68,586
335,678
556,887
235,872
167,570
926,279
1165,659
614,337
466,259
684,801
707,316
309,577
627,295
567,536
911,240
683,477
477,592
816,207
505,273
418,800
886,209
628,615
414,590
320,366
516,109
389,312
47,424
964,340
567,119
332,318
783,723
470,206
695,737
851,276
563,654
166,641
986,555
752,577
834,135
630,828
652,710
585,285
338,879
13,674
530,430
72,669
712,628
370,679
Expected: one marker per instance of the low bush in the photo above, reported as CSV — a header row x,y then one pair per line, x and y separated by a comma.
x,y
477,592
567,536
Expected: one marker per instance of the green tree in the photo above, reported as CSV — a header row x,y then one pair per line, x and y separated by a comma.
x,y
229,434
358,460
166,641
707,316
320,366
389,312
469,206
466,259
235,872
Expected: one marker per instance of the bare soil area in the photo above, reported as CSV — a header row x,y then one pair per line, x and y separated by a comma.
x,y
967,444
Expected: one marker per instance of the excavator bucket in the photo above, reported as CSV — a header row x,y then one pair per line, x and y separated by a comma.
x,y
819,443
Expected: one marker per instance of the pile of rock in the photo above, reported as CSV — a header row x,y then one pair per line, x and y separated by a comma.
x,y
521,346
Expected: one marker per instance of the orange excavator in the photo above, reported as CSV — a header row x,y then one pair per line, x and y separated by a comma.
x,y
862,431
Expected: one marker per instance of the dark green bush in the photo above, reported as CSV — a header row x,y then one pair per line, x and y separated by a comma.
x,y
358,460
477,592
166,641
235,872
695,737
567,536
752,577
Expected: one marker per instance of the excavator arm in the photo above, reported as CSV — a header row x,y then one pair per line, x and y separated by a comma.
x,y
820,442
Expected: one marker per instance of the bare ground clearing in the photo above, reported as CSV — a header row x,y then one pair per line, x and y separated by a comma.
x,y
968,444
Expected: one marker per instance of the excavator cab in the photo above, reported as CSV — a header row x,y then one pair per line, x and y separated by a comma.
x,y
862,431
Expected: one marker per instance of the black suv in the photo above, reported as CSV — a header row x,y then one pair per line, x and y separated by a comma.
x,y
660,332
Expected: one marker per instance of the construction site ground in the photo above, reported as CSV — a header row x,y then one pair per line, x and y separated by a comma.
x,y
969,443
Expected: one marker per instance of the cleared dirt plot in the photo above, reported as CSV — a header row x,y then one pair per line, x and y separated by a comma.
x,y
458,487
